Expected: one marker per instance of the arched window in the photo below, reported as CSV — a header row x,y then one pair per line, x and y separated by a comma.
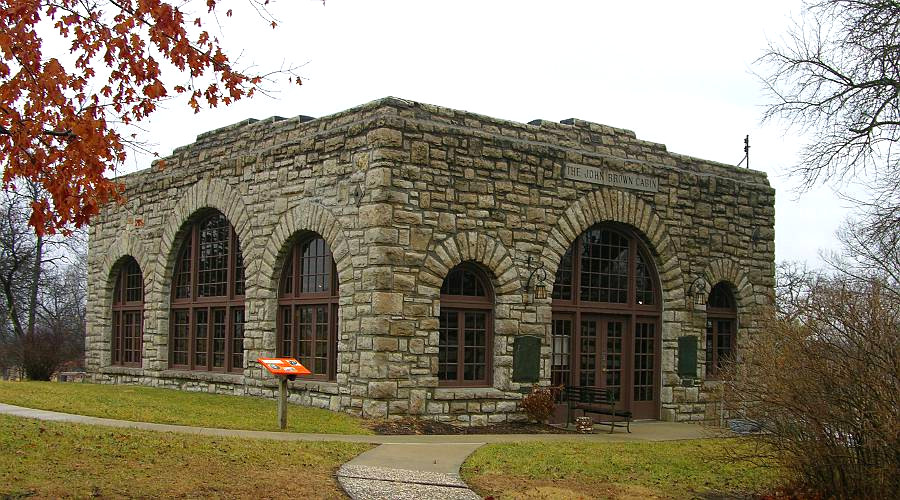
x,y
721,328
207,320
128,314
308,307
466,328
606,318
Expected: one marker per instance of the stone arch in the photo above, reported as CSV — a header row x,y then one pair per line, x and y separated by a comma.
x,y
730,272
205,193
475,247
304,216
606,205
125,245
495,258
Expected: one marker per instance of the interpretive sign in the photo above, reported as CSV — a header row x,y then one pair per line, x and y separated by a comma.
x,y
607,177
285,368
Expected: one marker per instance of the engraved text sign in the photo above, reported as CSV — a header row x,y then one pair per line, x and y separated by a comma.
x,y
613,178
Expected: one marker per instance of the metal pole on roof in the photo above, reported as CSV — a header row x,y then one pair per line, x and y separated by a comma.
x,y
746,151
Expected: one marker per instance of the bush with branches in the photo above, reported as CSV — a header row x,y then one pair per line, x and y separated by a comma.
x,y
538,404
824,385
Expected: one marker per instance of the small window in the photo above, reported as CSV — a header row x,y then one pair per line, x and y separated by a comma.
x,y
308,307
465,328
207,317
128,314
721,328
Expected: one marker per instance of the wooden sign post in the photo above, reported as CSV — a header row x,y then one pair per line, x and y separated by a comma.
x,y
285,369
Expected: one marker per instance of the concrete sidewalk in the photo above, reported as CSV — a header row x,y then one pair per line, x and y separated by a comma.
x,y
640,431
402,467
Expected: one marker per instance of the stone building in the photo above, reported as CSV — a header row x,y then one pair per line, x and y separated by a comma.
x,y
432,262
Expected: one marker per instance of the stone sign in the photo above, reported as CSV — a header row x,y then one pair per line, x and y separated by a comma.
x,y
606,177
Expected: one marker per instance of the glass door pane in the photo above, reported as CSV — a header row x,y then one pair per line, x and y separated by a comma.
x,y
561,367
615,329
587,365
644,362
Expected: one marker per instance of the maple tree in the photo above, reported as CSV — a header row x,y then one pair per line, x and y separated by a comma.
x,y
64,117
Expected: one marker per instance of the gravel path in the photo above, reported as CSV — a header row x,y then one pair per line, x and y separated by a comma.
x,y
364,482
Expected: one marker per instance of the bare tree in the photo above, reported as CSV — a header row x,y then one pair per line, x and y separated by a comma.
x,y
825,387
870,251
42,292
836,76
792,283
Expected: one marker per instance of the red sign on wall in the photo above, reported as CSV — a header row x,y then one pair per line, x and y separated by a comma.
x,y
283,366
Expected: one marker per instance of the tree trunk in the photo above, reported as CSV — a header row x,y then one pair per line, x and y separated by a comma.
x,y
32,365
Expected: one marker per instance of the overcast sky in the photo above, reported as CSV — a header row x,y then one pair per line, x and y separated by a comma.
x,y
678,73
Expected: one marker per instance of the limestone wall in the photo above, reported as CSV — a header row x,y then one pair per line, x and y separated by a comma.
x,y
402,192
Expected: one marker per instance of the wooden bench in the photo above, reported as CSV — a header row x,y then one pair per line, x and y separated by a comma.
x,y
597,401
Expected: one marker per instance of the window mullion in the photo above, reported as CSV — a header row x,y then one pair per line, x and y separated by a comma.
x,y
229,339
296,271
576,271
295,331
461,342
195,262
631,299
332,341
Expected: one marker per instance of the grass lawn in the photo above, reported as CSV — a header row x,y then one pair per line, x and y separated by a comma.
x,y
167,406
564,470
52,460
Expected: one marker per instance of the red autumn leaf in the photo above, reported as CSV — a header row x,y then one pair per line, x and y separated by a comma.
x,y
55,124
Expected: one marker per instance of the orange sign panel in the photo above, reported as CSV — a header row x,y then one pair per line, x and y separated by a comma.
x,y
283,366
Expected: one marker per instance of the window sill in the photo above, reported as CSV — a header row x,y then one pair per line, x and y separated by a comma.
x,y
122,370
454,393
221,377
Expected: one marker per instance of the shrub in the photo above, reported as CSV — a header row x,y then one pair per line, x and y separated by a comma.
x,y
824,385
539,403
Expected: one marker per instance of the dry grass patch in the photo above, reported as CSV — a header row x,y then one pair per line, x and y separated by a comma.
x,y
670,469
52,460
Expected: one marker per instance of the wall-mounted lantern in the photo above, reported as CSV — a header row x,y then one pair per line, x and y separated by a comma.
x,y
697,291
536,289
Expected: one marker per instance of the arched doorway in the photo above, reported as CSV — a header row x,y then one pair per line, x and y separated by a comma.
x,y
606,318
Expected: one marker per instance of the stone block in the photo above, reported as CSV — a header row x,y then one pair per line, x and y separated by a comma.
x,y
385,137
374,409
382,390
384,344
419,152
387,303
417,400
377,278
416,346
377,214
398,407
404,328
